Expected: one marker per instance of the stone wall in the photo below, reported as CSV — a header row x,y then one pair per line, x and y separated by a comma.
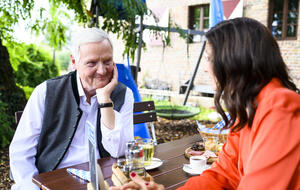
x,y
176,63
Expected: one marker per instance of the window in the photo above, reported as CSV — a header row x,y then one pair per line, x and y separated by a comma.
x,y
198,20
283,18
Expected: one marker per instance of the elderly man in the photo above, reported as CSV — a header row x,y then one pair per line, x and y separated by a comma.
x,y
52,132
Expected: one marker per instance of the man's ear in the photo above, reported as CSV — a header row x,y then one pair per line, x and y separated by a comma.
x,y
73,62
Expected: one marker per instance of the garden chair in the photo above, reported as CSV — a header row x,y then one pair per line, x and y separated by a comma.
x,y
145,113
18,115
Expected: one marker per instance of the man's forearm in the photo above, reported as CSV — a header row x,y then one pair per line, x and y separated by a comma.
x,y
108,117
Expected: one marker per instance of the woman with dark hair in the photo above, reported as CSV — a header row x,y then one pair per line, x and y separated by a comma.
x,y
263,147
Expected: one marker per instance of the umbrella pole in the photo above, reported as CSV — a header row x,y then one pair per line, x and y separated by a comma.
x,y
139,48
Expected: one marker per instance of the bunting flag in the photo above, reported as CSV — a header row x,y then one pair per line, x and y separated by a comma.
x,y
216,12
232,8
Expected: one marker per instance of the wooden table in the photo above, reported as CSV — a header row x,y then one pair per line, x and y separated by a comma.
x,y
170,174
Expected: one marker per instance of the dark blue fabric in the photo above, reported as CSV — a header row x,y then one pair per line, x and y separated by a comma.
x,y
119,7
125,77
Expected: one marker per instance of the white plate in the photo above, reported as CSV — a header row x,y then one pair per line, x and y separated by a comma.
x,y
187,168
156,162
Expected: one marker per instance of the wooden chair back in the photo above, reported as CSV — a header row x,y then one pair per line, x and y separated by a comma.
x,y
148,116
18,115
145,113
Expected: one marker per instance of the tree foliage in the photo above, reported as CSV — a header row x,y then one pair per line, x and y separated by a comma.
x,y
32,65
119,17
10,13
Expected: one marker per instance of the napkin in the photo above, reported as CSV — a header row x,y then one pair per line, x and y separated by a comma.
x,y
80,173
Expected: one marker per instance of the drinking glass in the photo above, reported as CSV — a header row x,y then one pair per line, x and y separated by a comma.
x,y
135,158
129,146
148,149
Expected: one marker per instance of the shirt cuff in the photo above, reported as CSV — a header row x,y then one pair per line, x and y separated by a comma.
x,y
111,137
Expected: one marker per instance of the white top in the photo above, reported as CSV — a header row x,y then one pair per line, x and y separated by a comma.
x,y
23,147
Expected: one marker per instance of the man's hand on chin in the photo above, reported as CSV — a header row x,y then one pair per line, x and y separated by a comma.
x,y
103,94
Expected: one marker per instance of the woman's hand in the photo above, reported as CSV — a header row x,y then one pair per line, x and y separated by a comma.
x,y
140,184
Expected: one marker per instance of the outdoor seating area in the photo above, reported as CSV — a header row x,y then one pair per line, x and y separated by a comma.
x,y
166,131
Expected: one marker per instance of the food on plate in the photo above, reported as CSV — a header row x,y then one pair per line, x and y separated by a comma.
x,y
190,152
211,160
194,152
209,154
198,146
211,143
210,150
197,149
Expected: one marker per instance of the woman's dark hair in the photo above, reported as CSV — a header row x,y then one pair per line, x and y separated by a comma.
x,y
245,58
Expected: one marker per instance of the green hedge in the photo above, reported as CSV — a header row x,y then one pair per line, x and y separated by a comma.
x,y
6,132
32,65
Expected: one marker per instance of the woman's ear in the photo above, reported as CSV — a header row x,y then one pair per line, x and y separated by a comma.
x,y
73,62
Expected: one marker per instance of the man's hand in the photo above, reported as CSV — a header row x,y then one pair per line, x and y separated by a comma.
x,y
103,94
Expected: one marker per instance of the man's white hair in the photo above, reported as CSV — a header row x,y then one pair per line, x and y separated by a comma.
x,y
87,35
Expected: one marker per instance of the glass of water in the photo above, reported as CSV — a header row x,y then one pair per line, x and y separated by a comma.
x,y
135,158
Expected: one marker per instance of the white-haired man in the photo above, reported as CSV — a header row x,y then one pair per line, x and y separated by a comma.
x,y
52,132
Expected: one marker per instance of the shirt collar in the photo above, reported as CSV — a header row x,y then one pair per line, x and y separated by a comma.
x,y
79,86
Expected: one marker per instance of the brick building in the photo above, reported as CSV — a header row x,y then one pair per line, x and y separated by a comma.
x,y
176,63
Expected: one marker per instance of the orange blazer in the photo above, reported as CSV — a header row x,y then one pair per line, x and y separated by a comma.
x,y
267,156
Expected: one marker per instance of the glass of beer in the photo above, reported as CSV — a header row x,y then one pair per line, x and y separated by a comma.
x,y
148,148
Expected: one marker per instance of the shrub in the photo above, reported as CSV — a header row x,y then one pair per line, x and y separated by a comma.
x,y
32,65
6,132
27,90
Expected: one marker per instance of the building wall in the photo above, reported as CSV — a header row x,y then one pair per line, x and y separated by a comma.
x,y
175,64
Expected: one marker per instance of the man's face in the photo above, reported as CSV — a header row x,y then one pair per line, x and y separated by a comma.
x,y
95,65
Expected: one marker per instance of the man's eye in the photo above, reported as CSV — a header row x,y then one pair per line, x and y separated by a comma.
x,y
91,64
109,62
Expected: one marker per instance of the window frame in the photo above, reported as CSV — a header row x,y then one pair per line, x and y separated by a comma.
x,y
284,20
192,19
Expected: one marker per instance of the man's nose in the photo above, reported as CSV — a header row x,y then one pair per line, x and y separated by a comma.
x,y
101,69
